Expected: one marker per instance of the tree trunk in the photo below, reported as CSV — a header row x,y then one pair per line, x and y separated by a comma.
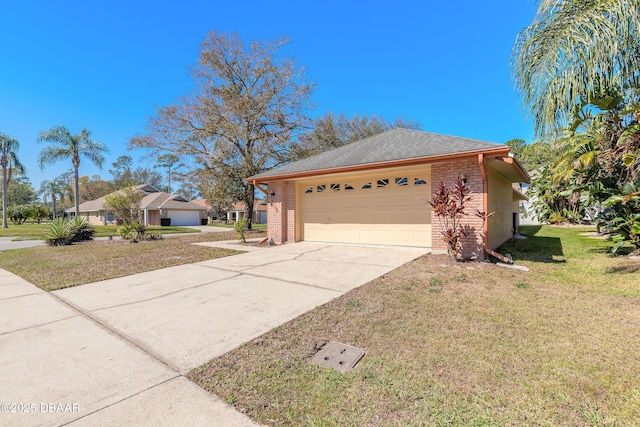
x,y
53,199
250,198
76,190
4,198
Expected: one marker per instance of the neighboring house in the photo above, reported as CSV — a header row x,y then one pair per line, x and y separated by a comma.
x,y
238,210
376,192
155,205
528,215
211,214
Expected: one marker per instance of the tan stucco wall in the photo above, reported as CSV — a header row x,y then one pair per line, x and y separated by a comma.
x,y
500,202
93,217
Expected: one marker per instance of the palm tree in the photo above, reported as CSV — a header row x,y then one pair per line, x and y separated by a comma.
x,y
9,161
573,51
64,145
55,189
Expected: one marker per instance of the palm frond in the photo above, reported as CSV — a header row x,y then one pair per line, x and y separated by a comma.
x,y
575,50
51,154
57,135
16,164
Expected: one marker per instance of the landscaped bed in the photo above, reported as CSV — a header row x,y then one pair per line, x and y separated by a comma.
x,y
467,344
52,268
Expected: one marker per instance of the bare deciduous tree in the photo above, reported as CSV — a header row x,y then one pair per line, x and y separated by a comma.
x,y
247,108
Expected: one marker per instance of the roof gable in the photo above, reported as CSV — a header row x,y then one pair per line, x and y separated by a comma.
x,y
152,198
393,145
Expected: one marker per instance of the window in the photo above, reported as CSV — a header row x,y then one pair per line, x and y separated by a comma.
x,y
366,186
348,187
382,183
335,187
418,181
321,188
309,190
402,182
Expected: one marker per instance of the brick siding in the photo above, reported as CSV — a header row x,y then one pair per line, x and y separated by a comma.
x,y
281,211
472,247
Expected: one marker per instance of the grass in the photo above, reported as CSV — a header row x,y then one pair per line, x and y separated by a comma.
x,y
28,231
470,344
230,225
24,231
52,268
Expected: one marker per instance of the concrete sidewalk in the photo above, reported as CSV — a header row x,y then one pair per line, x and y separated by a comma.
x,y
58,366
118,349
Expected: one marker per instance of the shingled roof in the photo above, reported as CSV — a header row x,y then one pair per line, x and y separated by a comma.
x,y
152,199
395,144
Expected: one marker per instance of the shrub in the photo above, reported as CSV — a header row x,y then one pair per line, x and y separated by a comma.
x,y
81,229
66,231
241,227
58,233
19,214
154,235
449,205
125,204
38,212
134,231
621,215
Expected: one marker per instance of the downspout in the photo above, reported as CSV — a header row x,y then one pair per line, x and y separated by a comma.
x,y
485,205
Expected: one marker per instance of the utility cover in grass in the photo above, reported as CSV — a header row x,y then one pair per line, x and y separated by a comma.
x,y
341,357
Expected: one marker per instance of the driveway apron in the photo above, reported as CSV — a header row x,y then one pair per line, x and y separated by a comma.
x,y
114,352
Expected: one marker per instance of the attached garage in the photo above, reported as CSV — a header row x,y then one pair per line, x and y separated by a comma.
x,y
376,192
385,208
184,217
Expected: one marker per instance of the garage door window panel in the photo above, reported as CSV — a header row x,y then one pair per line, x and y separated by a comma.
x,y
383,183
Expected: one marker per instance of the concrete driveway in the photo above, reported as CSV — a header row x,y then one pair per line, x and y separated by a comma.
x,y
118,349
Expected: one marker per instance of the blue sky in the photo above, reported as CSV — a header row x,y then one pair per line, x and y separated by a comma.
x,y
106,65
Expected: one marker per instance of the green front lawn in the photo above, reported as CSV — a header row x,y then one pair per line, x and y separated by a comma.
x,y
470,344
52,268
28,231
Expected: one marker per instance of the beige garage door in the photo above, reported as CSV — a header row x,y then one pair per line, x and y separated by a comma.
x,y
385,208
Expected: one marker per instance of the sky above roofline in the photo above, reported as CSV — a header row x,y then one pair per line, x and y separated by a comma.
x,y
106,66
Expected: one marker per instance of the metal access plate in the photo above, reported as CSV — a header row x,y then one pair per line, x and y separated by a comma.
x,y
341,357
